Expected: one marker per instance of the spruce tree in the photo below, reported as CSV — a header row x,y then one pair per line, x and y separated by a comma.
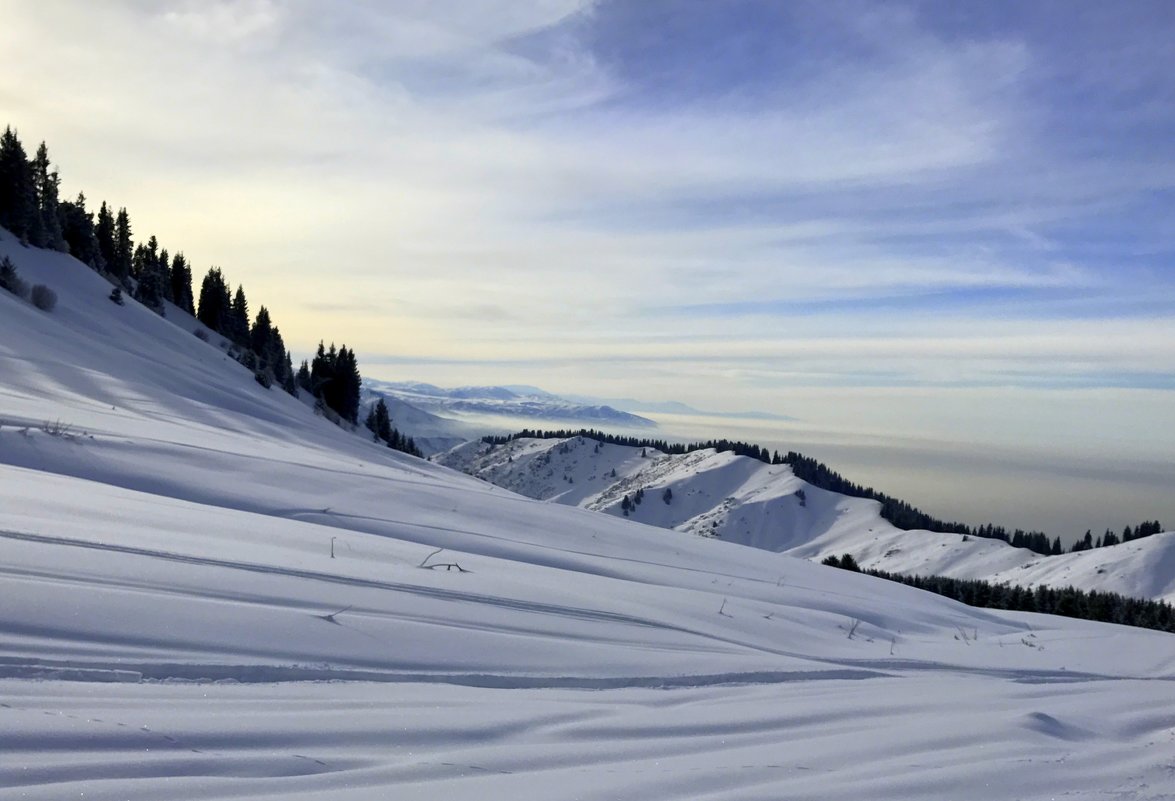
x,y
289,384
239,319
46,184
261,339
77,227
322,369
214,301
123,245
303,378
163,265
17,195
104,233
278,358
181,284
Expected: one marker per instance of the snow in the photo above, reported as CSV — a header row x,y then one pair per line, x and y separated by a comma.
x,y
743,500
174,624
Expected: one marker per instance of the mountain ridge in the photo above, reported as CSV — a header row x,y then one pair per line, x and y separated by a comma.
x,y
744,500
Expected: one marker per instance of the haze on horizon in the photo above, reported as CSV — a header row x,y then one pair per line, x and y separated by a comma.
x,y
894,221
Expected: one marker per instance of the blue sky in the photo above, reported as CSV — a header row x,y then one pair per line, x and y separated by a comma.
x,y
861,214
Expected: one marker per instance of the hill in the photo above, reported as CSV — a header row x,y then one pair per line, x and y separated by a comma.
x,y
743,500
210,592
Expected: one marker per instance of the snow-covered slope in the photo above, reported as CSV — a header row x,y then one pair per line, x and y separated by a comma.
x,y
743,500
210,593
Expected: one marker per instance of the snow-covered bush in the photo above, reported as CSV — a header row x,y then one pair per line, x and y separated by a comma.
x,y
44,298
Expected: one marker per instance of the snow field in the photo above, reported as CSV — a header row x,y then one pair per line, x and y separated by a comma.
x,y
173,625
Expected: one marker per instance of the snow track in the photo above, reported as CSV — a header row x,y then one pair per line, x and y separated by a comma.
x,y
207,592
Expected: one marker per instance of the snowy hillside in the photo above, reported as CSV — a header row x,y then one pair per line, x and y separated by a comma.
x,y
211,593
743,500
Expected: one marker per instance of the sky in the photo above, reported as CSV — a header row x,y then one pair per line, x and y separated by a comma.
x,y
925,220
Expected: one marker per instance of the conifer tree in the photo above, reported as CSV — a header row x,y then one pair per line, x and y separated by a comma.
x,y
214,301
77,227
303,378
260,333
123,245
17,195
181,284
104,233
277,356
163,266
151,271
334,376
239,319
289,384
322,369
46,185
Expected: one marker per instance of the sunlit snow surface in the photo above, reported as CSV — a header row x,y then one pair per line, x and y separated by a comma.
x,y
174,626
743,500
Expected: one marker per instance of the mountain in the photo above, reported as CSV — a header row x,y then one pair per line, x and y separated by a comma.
x,y
674,407
431,433
210,592
743,500
495,408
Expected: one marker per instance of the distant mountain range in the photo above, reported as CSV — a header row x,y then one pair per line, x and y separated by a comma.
x,y
743,500
675,407
500,408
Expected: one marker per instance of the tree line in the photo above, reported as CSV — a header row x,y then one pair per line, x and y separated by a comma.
x,y
31,209
1107,607
900,513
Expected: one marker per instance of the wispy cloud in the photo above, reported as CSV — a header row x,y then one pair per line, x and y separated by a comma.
x,y
766,196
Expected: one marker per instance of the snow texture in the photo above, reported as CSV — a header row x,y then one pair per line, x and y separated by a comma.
x,y
208,592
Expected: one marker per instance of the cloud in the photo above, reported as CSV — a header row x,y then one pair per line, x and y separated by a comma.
x,y
767,195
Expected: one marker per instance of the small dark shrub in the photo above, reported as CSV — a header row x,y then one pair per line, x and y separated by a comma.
x,y
116,296
44,298
845,562
262,378
201,334
11,280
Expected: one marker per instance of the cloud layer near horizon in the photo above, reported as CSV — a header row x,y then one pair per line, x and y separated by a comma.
x,y
718,201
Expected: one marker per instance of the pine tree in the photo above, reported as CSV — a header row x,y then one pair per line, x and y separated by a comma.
x,y
214,301
290,383
104,233
380,423
335,378
163,265
278,357
123,246
239,319
303,378
181,284
46,185
151,268
77,227
322,370
261,338
17,194
351,385
10,279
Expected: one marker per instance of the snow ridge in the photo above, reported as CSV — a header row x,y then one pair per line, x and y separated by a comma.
x,y
743,500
